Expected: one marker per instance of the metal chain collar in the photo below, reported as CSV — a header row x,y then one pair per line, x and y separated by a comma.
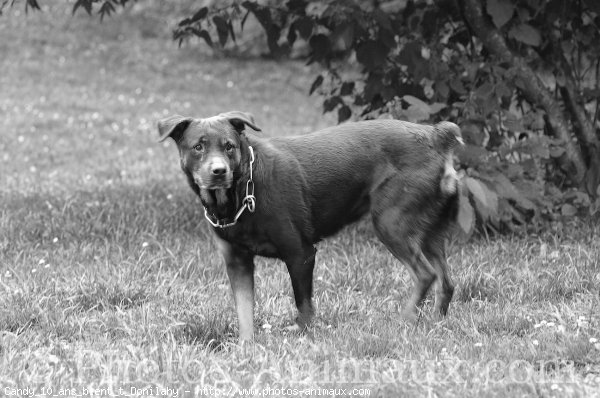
x,y
249,201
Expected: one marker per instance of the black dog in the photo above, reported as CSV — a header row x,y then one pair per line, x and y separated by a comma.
x,y
277,197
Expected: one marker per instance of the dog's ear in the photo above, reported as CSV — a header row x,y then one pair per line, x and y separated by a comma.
x,y
240,119
173,127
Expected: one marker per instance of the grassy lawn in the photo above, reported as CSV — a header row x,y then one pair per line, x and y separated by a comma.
x,y
109,279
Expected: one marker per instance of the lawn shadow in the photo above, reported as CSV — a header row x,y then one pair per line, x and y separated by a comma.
x,y
211,331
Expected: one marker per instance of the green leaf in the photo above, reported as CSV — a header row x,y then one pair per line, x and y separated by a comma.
x,y
513,122
305,27
556,151
486,200
31,3
347,88
466,215
383,19
321,47
476,190
296,6
201,14
457,86
501,11
502,90
484,91
105,10
344,113
537,146
222,29
526,34
507,190
524,14
415,114
343,36
387,37
371,54
410,55
537,122
529,166
491,197
203,34
316,84
86,4
292,36
243,21
505,212
230,28
436,107
417,111
412,100
442,90
373,87
568,210
473,155
331,103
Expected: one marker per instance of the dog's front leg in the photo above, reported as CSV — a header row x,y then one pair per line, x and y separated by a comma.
x,y
300,267
240,270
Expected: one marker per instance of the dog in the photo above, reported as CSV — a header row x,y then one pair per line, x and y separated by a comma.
x,y
278,197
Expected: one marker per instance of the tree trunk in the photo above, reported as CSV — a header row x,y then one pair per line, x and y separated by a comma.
x,y
528,81
585,132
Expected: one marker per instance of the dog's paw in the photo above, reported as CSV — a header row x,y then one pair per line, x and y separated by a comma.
x,y
294,328
410,316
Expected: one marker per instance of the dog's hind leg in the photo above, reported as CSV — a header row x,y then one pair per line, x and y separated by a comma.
x,y
300,266
434,247
404,241
435,251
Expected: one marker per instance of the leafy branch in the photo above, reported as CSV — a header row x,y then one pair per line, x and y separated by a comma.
x,y
521,78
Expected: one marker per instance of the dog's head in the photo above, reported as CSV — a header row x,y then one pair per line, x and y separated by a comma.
x,y
210,149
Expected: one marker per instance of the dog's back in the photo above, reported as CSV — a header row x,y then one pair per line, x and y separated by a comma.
x,y
341,167
350,147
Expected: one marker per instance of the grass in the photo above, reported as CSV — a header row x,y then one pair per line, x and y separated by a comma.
x,y
109,278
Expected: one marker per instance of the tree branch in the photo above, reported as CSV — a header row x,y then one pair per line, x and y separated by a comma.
x,y
529,82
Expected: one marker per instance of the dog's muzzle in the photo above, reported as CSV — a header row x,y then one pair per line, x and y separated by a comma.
x,y
214,182
215,175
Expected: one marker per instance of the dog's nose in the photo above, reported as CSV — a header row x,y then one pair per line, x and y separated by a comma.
x,y
219,170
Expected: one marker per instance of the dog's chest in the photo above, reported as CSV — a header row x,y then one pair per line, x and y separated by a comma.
x,y
250,239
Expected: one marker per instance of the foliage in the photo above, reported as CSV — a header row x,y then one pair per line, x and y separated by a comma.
x,y
521,78
420,62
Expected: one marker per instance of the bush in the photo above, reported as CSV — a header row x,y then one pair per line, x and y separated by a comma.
x,y
521,78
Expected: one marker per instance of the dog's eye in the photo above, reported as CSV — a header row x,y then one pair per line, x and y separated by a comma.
x,y
229,147
199,147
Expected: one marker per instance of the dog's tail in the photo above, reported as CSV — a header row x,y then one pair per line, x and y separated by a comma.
x,y
447,137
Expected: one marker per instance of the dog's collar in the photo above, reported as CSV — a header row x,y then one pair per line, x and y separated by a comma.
x,y
249,201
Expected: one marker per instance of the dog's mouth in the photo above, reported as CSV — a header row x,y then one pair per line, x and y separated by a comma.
x,y
224,185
